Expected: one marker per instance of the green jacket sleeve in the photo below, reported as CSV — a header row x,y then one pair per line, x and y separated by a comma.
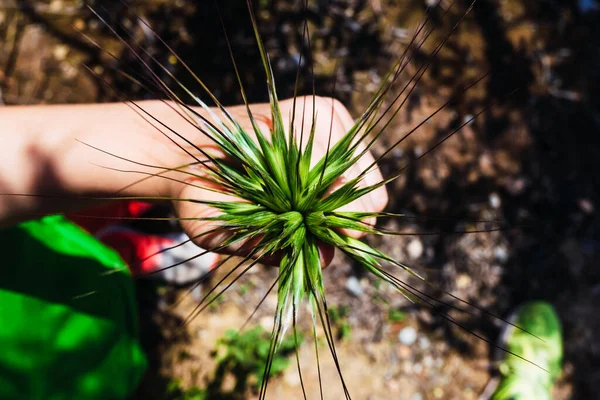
x,y
68,320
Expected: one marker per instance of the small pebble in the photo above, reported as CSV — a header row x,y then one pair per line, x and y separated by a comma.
x,y
353,26
393,386
98,70
403,352
266,322
516,186
197,293
407,367
94,25
407,336
417,368
494,200
501,254
415,249
79,24
56,6
417,396
463,281
424,343
438,392
586,206
400,33
202,334
60,52
428,361
354,287
162,304
298,61
486,165
292,378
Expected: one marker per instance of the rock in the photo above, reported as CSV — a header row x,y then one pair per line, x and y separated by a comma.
x,y
495,201
417,368
463,281
403,352
393,386
407,367
415,249
354,287
586,205
501,254
292,378
266,322
424,343
56,6
197,293
400,33
428,361
79,24
516,186
486,165
60,52
407,336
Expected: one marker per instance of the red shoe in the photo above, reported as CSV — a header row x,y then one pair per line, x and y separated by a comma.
x,y
172,256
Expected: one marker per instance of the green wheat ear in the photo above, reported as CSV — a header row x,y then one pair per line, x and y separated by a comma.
x,y
288,205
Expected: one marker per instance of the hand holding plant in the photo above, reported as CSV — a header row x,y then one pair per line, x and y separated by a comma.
x,y
329,116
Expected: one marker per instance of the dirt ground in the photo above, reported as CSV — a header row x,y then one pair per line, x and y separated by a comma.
x,y
530,161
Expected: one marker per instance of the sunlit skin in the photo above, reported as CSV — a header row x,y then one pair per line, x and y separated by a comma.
x,y
47,151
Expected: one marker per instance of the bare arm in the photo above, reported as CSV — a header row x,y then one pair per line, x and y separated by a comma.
x,y
46,152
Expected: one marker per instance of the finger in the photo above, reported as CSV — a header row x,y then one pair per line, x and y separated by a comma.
x,y
378,198
196,223
326,253
374,201
210,234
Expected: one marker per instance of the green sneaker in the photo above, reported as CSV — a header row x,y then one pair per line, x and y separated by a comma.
x,y
522,380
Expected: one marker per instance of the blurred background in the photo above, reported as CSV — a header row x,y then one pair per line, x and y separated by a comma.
x,y
532,161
